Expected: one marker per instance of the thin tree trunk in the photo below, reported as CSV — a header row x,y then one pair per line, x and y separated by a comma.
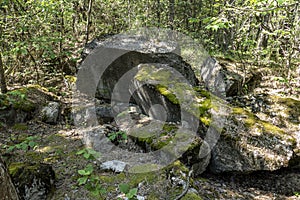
x,y
7,188
2,77
3,87
158,11
171,13
87,31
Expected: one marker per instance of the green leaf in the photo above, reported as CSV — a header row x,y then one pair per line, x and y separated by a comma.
x,y
91,151
83,172
124,188
124,136
102,190
89,168
24,146
132,193
194,20
86,155
280,2
87,171
112,136
94,153
31,138
95,192
11,148
32,144
80,152
82,180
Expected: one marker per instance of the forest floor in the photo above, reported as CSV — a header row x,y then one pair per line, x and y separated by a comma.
x,y
58,145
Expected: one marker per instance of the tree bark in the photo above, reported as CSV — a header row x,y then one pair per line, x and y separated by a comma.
x,y
88,21
7,189
2,77
158,11
171,13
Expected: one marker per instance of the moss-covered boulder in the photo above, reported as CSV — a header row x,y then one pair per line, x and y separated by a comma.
x,y
248,144
164,142
22,104
122,54
32,181
284,112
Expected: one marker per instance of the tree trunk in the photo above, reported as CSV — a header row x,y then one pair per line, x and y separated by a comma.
x,y
158,11
171,13
87,31
7,189
3,87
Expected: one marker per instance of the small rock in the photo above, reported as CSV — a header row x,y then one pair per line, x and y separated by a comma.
x,y
140,197
49,113
114,165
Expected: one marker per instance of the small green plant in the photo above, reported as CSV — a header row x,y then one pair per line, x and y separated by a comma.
x,y
85,173
18,94
29,142
89,154
129,193
297,194
118,136
90,180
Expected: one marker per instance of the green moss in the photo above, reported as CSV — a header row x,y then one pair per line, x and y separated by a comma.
x,y
152,196
144,168
205,106
71,79
202,93
151,72
20,127
51,159
205,120
135,179
250,121
167,93
170,128
107,179
177,167
271,128
191,196
33,156
160,144
237,110
176,92
35,86
14,167
56,138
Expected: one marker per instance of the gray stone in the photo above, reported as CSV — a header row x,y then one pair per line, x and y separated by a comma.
x,y
219,80
50,113
114,165
249,144
111,59
104,113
